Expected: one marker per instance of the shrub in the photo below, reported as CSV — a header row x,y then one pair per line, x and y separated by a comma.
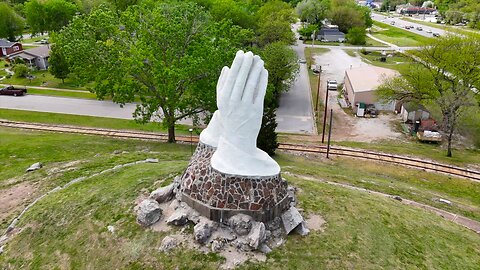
x,y
356,36
21,70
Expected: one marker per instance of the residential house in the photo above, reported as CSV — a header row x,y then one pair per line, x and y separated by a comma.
x,y
361,84
37,57
7,48
330,33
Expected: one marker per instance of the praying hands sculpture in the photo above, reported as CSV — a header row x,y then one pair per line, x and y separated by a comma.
x,y
234,127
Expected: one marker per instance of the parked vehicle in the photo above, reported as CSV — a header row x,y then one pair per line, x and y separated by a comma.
x,y
12,91
332,85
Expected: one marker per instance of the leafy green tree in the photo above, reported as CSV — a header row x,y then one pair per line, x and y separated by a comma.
x,y
232,10
59,67
122,5
274,19
59,13
11,25
446,75
169,55
267,137
307,30
281,61
357,36
36,16
313,11
50,15
346,17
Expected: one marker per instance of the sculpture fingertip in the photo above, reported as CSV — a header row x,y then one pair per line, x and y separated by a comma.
x,y
240,52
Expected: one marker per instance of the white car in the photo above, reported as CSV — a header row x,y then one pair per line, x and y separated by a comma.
x,y
332,85
302,61
429,31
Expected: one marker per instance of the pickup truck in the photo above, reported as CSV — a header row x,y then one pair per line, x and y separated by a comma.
x,y
13,91
332,85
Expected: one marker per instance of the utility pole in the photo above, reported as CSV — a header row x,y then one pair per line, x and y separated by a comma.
x,y
329,131
318,90
325,115
191,140
313,38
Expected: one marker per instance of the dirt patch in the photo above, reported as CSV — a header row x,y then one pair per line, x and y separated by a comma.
x,y
316,223
13,198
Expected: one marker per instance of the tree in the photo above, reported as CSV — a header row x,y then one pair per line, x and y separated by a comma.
x,y
51,15
59,13
267,137
58,64
312,11
282,65
307,30
356,36
11,25
347,17
36,16
169,55
274,19
447,73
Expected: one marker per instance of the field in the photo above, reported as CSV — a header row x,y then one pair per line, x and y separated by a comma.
x,y
396,61
45,79
68,229
398,36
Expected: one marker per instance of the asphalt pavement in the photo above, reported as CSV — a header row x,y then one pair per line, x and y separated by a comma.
x,y
295,113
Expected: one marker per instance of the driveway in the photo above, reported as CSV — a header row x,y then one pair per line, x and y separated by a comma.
x,y
347,127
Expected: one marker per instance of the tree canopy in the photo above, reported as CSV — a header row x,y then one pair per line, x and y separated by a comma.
x,y
168,55
447,75
50,15
11,24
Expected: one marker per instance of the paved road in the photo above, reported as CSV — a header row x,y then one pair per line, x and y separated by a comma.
x,y
74,106
399,23
295,114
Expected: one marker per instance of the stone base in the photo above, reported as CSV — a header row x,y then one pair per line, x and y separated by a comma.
x,y
219,196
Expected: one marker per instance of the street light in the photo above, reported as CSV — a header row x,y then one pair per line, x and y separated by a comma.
x,y
191,140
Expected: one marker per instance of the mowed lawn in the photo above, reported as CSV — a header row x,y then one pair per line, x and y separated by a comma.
x,y
68,229
398,36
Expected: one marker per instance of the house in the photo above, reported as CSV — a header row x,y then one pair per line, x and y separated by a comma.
x,y
330,33
361,84
7,48
37,56
412,112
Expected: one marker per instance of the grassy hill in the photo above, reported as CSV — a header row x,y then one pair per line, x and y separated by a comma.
x,y
68,229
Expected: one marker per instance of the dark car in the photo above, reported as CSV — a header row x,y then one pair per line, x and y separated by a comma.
x,y
12,91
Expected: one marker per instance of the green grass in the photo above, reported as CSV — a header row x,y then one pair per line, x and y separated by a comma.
x,y
68,229
84,94
398,36
398,61
45,79
32,40
87,121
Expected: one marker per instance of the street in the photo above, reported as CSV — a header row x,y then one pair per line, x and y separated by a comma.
x,y
399,23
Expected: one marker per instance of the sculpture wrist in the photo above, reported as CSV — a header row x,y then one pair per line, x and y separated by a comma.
x,y
211,134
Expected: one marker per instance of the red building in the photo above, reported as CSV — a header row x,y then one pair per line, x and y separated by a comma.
x,y
7,47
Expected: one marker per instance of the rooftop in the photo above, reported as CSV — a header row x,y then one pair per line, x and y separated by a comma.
x,y
6,44
368,78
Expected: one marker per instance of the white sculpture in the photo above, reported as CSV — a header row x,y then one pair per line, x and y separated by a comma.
x,y
234,127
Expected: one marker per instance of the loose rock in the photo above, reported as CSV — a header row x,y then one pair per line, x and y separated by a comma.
x,y
202,231
34,167
168,243
111,229
241,224
162,194
265,249
291,219
148,212
445,201
302,229
217,245
257,235
178,218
